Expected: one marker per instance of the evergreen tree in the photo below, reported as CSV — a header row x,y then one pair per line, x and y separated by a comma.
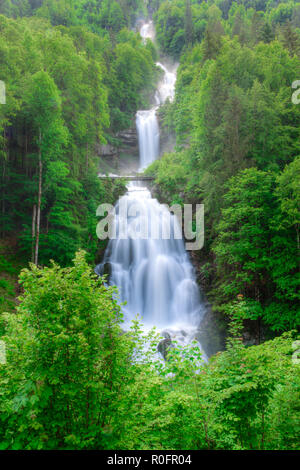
x,y
188,22
291,40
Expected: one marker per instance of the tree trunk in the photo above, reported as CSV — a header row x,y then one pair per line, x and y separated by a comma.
x,y
3,192
5,178
38,219
33,232
87,157
26,154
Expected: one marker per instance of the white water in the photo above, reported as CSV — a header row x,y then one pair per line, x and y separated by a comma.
x,y
148,134
154,275
166,88
147,31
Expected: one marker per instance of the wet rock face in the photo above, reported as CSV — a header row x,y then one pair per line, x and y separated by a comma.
x,y
129,137
211,333
106,151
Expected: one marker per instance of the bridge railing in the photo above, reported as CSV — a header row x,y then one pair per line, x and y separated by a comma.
x,y
127,178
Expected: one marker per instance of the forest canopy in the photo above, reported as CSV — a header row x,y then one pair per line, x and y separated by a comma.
x,y
237,132
97,81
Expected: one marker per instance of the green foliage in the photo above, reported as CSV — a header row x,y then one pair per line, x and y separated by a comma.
x,y
7,287
74,380
244,384
182,22
229,403
97,15
66,342
10,266
253,236
169,21
171,181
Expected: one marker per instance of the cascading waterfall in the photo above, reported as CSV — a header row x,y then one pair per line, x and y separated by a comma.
x,y
153,273
146,120
166,88
147,31
148,134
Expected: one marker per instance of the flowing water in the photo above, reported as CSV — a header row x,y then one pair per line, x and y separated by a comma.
x,y
147,31
166,88
148,134
154,275
153,272
146,120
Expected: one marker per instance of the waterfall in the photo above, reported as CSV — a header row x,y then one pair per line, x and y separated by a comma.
x,y
146,120
148,135
154,275
153,272
166,88
147,31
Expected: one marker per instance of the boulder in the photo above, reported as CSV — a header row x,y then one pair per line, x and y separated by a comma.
x,y
164,345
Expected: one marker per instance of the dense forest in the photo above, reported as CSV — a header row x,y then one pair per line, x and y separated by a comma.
x,y
76,72
69,89
238,136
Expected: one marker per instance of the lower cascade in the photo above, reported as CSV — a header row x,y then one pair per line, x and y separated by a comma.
x,y
153,274
153,271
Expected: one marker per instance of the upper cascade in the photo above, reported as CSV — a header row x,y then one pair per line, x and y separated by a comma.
x,y
166,88
147,31
146,120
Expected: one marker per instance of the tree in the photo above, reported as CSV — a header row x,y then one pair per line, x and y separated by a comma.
x,y
170,21
291,39
59,12
212,43
188,22
44,111
288,193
